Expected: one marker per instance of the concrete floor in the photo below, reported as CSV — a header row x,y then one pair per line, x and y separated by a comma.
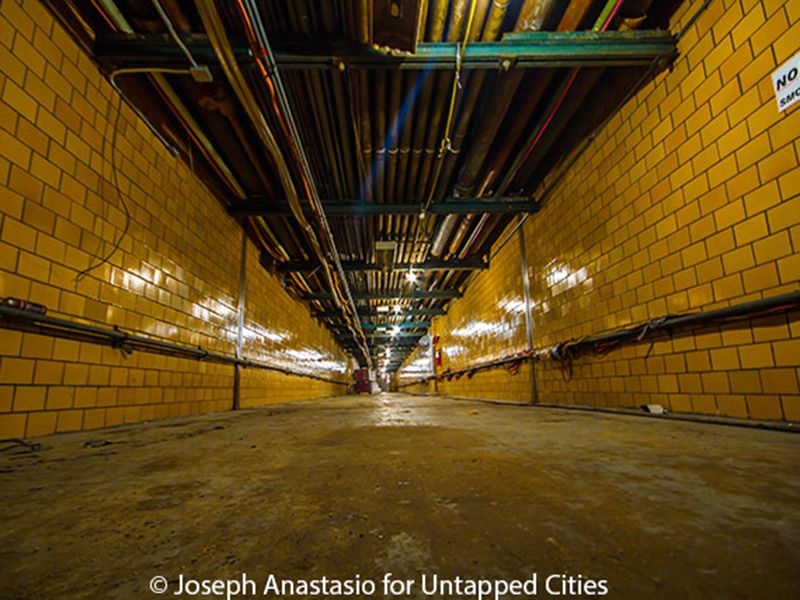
x,y
407,485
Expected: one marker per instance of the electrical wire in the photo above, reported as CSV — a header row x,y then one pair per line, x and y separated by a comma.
x,y
112,159
602,24
446,144
120,195
550,186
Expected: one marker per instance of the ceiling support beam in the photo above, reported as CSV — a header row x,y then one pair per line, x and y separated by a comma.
x,y
387,339
464,264
371,314
367,326
395,295
453,206
529,50
347,344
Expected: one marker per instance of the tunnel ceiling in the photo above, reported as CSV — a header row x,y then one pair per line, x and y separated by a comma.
x,y
374,151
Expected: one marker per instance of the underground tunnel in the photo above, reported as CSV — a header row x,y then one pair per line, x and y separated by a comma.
x,y
470,299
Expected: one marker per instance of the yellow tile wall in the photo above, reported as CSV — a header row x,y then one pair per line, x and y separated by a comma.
x,y
689,199
487,323
175,276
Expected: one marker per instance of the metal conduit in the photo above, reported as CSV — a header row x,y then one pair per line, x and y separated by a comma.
x,y
252,15
178,107
640,333
218,37
22,320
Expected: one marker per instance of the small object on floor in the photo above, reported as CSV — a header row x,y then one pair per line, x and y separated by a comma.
x,y
655,409
18,443
473,412
97,443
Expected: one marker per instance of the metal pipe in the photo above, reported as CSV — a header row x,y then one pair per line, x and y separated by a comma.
x,y
218,36
177,105
364,21
473,236
640,333
783,302
252,12
21,320
501,102
526,291
174,34
601,24
393,134
240,321
461,232
442,235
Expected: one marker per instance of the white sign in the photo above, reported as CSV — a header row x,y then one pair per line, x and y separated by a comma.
x,y
786,83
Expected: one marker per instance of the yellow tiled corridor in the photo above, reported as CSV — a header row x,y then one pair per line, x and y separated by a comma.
x,y
386,290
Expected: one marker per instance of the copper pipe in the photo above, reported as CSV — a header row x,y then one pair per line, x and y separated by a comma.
x,y
460,233
442,235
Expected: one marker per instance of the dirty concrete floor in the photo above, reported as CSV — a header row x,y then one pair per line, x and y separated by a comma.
x,y
408,485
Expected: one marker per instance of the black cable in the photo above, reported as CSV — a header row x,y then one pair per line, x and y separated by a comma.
x,y
120,197
693,18
19,443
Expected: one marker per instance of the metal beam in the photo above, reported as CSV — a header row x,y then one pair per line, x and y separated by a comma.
x,y
366,326
463,264
541,49
395,295
383,340
454,206
368,314
405,345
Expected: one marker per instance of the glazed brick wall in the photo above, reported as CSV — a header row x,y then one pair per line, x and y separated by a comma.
x,y
687,200
174,278
487,323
